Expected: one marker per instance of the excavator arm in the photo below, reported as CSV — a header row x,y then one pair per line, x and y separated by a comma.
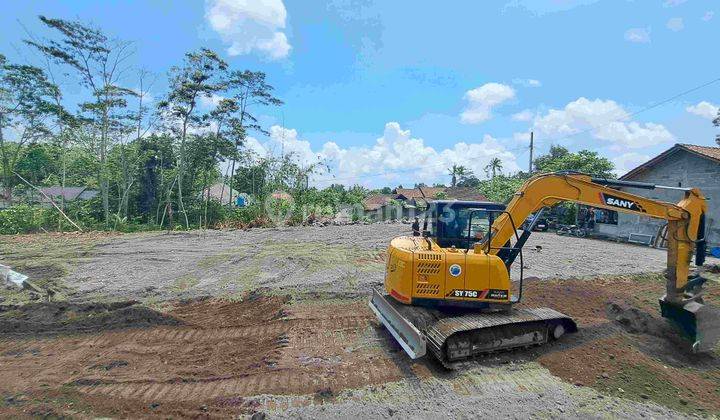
x,y
682,302
684,218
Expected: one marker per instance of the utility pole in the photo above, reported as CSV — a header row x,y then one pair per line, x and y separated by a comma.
x,y
282,140
530,166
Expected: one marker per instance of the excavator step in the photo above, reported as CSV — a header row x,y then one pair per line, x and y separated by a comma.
x,y
453,337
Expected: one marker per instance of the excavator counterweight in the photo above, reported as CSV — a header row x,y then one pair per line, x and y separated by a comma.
x,y
449,292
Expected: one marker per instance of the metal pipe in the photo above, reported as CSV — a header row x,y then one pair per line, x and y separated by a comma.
x,y
618,183
635,184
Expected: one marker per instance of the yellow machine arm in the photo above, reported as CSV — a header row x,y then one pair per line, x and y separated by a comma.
x,y
684,218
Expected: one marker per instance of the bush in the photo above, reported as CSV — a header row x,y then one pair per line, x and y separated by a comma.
x,y
20,219
252,215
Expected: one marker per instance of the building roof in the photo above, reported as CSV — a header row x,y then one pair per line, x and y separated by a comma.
x,y
67,193
464,194
707,152
220,192
410,193
281,195
375,201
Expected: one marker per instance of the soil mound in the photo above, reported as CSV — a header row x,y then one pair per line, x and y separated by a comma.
x,y
636,321
65,317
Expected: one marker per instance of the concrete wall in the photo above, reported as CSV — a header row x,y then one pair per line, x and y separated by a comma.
x,y
681,169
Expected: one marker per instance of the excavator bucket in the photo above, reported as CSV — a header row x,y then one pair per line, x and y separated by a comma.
x,y
698,322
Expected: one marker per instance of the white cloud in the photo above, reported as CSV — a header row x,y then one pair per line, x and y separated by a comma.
x,y
527,82
541,7
628,161
210,101
249,26
638,35
483,99
396,157
673,3
704,109
522,137
708,16
147,97
675,24
579,115
633,135
524,115
603,120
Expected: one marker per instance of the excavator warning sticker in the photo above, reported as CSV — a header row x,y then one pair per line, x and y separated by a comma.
x,y
497,294
621,203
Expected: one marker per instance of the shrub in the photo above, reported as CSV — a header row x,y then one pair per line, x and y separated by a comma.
x,y
21,218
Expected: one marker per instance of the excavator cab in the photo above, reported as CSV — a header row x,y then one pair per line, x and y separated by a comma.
x,y
460,224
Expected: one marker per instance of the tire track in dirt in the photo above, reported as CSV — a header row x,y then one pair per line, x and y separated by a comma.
x,y
223,349
281,380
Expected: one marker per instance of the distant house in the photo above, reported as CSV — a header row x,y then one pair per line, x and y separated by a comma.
x,y
59,194
376,201
414,201
464,194
683,165
220,192
281,195
419,197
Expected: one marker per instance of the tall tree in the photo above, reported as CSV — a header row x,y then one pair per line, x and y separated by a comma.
x,y
100,63
716,122
155,156
494,166
141,121
249,89
455,172
198,76
585,161
26,109
468,179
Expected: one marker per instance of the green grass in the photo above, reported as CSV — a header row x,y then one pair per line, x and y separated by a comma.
x,y
185,282
242,280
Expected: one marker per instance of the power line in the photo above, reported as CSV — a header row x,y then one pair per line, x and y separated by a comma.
x,y
632,114
524,149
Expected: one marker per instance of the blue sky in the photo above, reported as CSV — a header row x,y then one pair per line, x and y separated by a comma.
x,y
392,92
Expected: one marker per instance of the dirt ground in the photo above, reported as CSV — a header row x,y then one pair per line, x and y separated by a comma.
x,y
343,261
220,324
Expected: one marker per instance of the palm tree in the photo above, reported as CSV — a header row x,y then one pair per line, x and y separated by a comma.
x,y
494,166
457,171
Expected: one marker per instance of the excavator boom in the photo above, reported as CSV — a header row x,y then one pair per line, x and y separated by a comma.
x,y
682,303
450,291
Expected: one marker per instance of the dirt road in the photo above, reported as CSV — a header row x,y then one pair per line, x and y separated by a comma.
x,y
234,323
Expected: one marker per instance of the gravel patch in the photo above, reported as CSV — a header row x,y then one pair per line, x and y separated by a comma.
x,y
509,391
338,260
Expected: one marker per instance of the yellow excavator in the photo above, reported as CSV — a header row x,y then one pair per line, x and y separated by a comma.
x,y
449,290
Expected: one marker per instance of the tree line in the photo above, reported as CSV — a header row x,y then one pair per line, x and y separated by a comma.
x,y
153,161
